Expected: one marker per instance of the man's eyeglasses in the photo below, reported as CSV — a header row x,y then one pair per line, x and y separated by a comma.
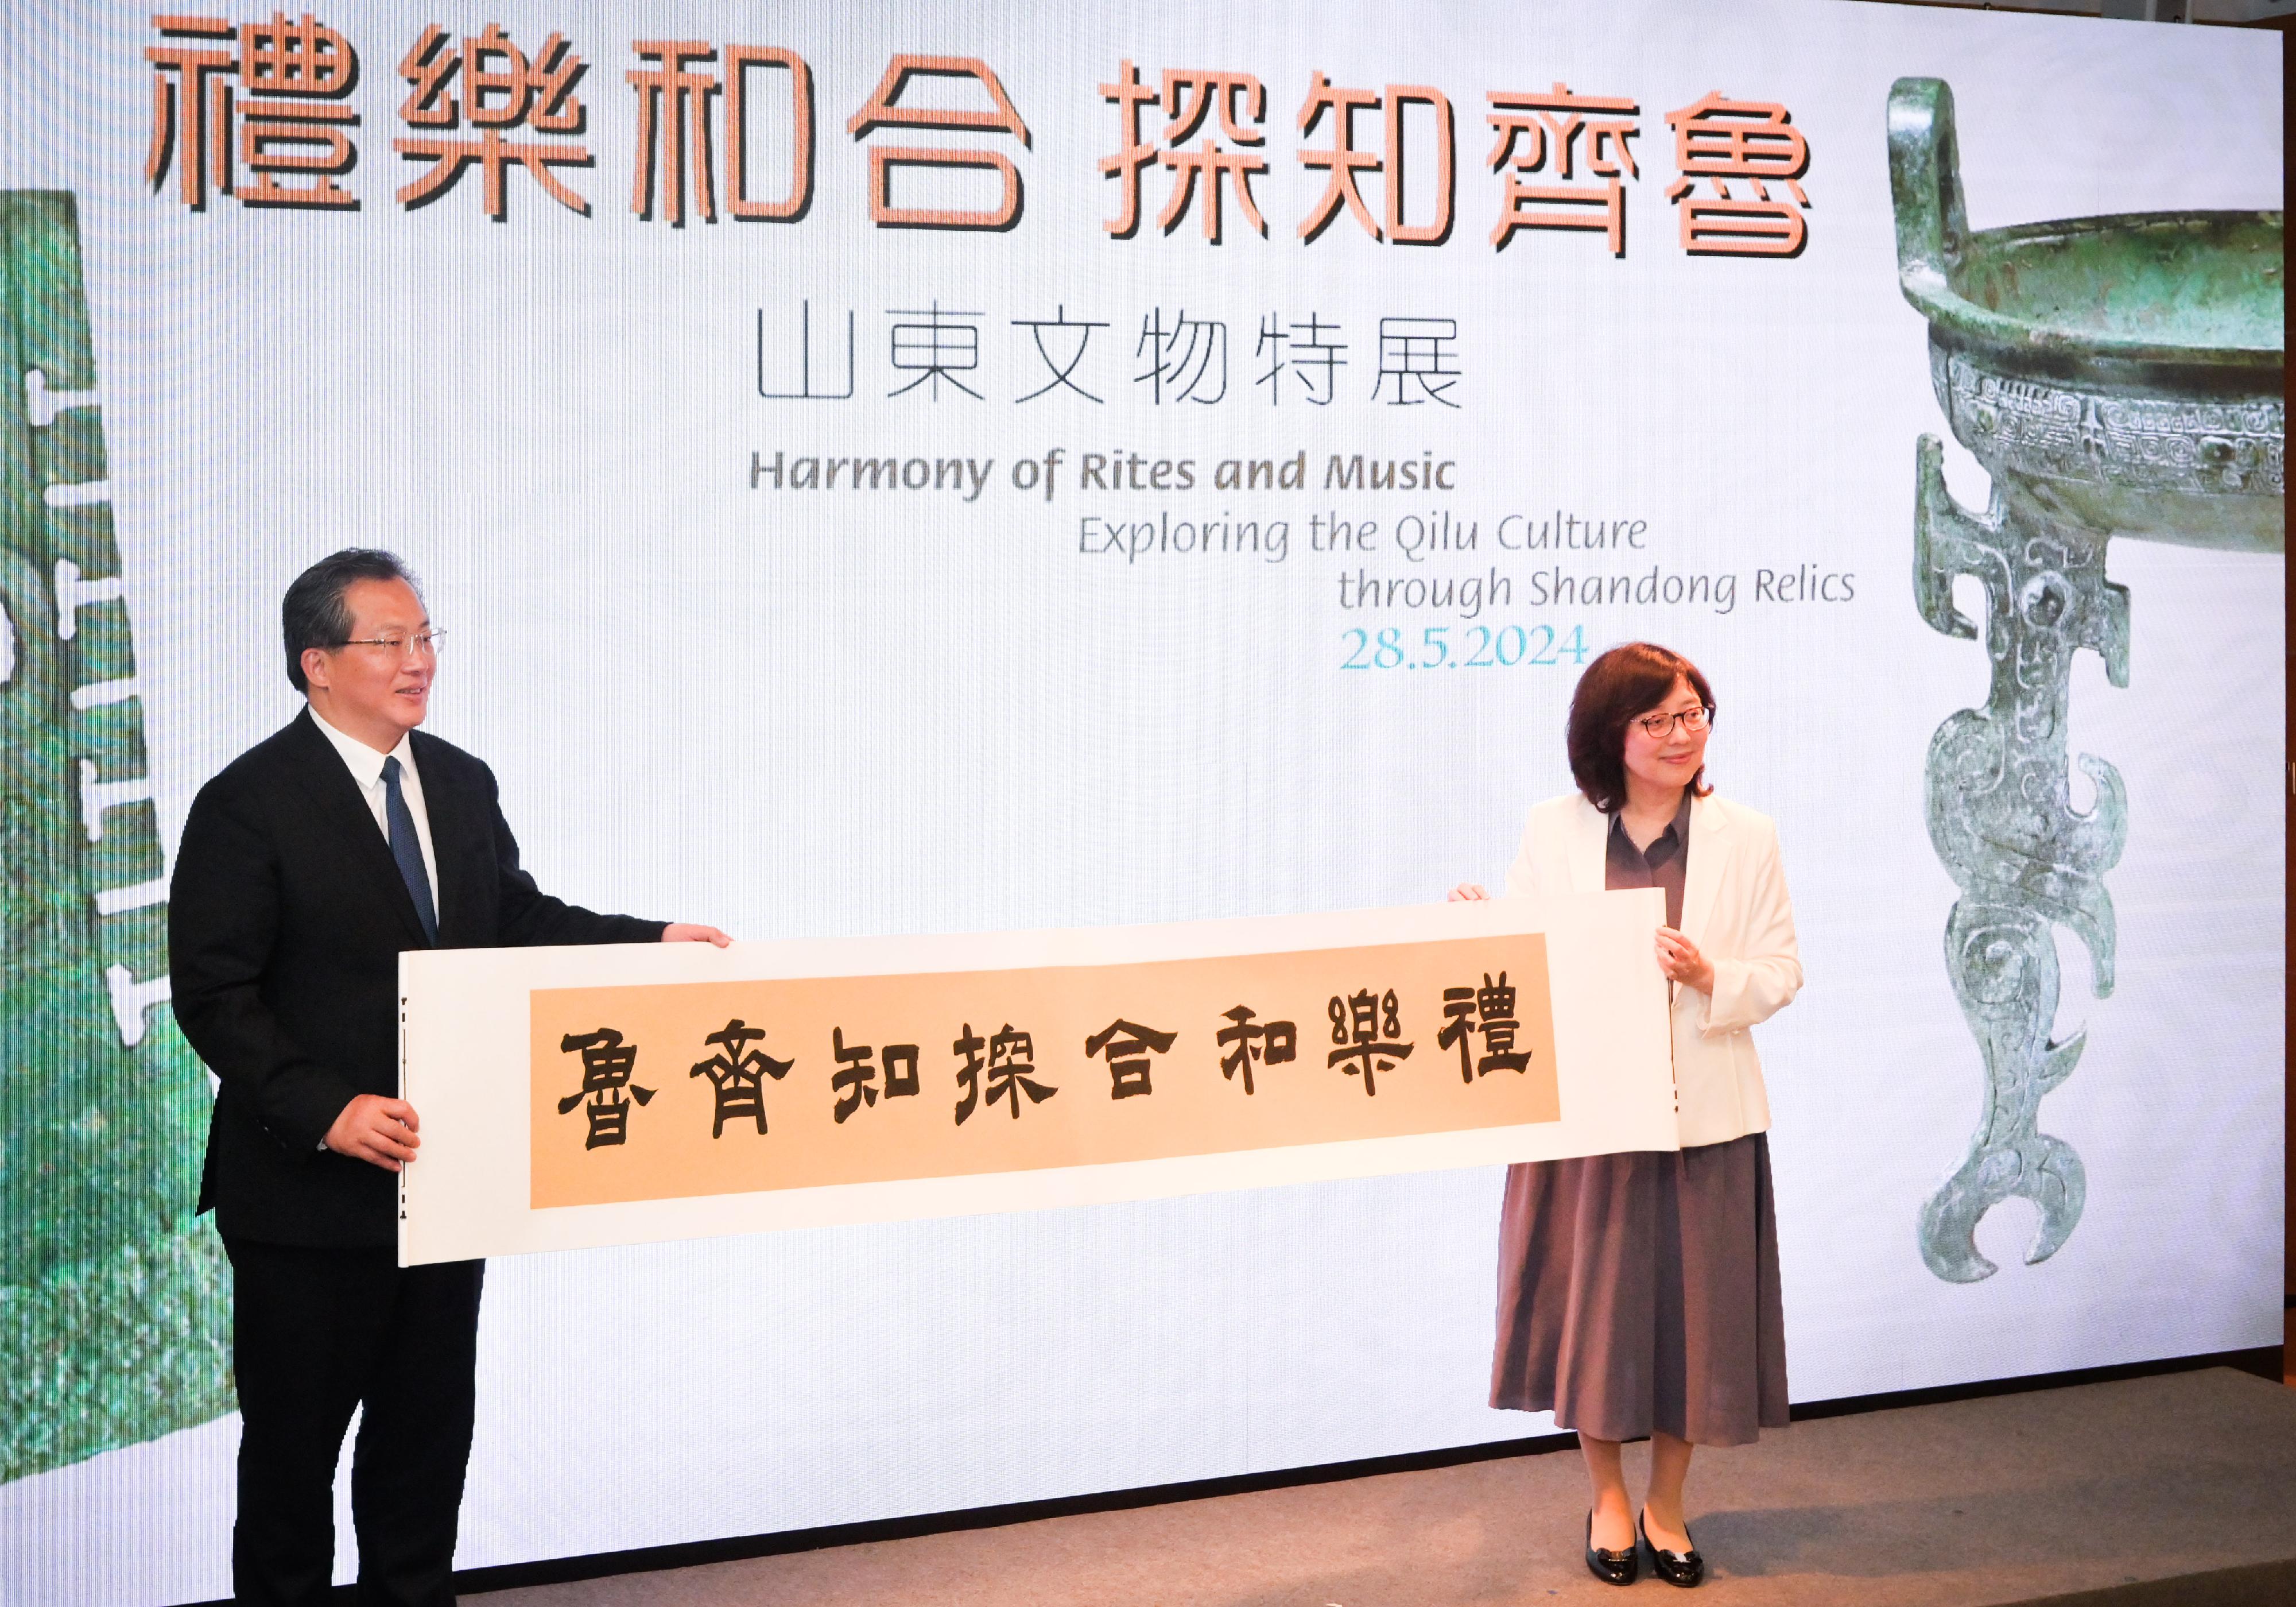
x,y
424,645
1657,727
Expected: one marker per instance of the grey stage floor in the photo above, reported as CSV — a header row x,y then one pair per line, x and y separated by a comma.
x,y
2166,1489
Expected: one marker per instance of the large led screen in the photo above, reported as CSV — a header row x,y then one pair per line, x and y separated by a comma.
x,y
947,467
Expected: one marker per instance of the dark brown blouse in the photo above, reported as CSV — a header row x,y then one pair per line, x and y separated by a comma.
x,y
1663,864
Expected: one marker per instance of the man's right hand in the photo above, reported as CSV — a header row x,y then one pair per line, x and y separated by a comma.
x,y
1467,892
376,1130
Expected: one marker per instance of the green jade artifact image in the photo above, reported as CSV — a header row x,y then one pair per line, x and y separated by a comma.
x,y
114,1300
2116,377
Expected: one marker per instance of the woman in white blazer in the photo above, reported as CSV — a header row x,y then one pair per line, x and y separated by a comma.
x,y
1638,1293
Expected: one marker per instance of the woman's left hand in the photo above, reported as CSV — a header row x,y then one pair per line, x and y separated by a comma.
x,y
1679,958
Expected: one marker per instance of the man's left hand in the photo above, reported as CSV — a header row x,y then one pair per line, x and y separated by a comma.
x,y
685,932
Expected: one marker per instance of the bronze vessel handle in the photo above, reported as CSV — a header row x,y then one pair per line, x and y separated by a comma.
x,y
1925,186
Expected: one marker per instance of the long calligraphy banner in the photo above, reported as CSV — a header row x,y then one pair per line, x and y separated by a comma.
x,y
580,1096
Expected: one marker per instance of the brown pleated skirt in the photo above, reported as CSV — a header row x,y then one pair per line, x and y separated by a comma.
x,y
1639,1292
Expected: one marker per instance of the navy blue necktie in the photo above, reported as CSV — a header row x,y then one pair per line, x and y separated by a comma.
x,y
408,849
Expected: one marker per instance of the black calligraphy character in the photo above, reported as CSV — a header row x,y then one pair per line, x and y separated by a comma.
x,y
1494,1004
1367,1029
856,1081
607,1063
739,1077
1271,1043
1127,1046
1011,1056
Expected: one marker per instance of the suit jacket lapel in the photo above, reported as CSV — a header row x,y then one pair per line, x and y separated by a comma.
x,y
344,816
451,836
1709,843
1590,844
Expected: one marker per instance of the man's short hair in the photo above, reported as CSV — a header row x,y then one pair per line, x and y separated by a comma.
x,y
314,614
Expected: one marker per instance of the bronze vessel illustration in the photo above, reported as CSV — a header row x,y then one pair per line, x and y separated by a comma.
x,y
2117,377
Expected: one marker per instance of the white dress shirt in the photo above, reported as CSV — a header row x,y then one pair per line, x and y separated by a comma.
x,y
366,769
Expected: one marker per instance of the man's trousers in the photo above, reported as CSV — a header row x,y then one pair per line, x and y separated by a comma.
x,y
317,1333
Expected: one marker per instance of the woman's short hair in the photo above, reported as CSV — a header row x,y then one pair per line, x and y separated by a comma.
x,y
314,614
1617,686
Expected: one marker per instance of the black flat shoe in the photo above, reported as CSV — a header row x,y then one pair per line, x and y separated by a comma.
x,y
1683,1568
1611,1567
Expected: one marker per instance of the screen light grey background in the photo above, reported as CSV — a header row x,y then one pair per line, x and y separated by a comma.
x,y
793,716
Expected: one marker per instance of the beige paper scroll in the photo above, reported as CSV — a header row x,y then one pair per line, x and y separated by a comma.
x,y
600,1095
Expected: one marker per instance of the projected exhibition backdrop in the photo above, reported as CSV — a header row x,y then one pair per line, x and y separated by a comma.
x,y
950,468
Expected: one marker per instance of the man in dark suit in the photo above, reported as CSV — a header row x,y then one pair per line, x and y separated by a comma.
x,y
305,868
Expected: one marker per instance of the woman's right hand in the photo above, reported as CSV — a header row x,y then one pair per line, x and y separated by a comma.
x,y
1467,892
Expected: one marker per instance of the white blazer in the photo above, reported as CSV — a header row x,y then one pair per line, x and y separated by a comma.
x,y
1734,907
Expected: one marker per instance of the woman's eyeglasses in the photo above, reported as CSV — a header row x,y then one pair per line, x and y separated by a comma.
x,y
1657,727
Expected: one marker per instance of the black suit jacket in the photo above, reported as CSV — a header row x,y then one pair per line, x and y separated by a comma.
x,y
285,920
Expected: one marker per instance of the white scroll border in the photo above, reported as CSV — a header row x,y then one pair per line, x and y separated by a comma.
x,y
464,1036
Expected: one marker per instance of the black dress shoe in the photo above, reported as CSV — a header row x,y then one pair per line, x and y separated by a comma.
x,y
1611,1566
1683,1568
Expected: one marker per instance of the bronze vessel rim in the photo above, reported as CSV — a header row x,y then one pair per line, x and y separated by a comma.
x,y
2016,341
